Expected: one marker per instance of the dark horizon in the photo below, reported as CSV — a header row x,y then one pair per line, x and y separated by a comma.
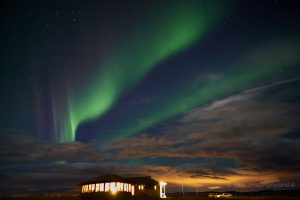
x,y
256,193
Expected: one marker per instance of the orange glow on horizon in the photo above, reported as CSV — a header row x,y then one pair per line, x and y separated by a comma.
x,y
215,182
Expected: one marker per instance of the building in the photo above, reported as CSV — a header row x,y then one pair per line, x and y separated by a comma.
x,y
114,185
146,186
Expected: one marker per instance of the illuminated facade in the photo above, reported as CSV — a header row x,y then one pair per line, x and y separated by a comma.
x,y
110,184
112,187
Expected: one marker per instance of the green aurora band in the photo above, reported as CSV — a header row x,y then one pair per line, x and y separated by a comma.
x,y
155,38
256,66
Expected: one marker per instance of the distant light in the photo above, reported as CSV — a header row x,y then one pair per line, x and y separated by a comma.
x,y
155,187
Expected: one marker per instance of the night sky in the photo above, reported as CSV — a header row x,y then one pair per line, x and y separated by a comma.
x,y
148,87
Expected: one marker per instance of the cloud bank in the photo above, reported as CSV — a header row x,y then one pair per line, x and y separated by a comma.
x,y
251,137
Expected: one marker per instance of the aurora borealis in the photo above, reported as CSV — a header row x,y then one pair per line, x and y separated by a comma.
x,y
150,41
157,87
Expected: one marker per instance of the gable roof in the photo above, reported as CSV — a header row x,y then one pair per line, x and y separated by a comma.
x,y
143,180
107,178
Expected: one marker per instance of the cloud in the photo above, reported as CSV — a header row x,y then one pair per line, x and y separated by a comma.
x,y
248,137
19,147
29,165
209,176
247,128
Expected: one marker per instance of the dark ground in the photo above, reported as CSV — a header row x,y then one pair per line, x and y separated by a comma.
x,y
261,195
170,198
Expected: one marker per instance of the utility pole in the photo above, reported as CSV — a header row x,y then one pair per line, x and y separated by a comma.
x,y
196,183
182,184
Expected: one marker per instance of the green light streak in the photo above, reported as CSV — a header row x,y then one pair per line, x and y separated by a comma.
x,y
165,32
265,63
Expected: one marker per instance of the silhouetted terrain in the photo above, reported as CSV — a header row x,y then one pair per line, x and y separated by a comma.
x,y
260,195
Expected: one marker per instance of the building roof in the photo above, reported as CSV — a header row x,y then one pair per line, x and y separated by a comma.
x,y
143,180
107,178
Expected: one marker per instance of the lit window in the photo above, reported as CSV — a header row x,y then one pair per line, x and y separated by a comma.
x,y
122,187
132,190
97,187
118,186
106,187
155,187
93,187
101,187
113,187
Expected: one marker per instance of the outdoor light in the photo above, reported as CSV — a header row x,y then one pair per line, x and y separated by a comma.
x,y
113,188
162,183
162,189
